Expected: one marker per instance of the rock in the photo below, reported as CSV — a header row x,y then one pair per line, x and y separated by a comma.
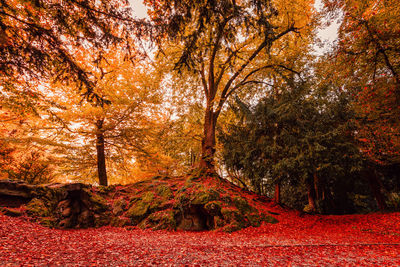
x,y
64,204
65,223
11,212
119,206
164,191
164,219
213,208
269,219
37,208
15,188
85,219
119,221
194,218
242,205
67,212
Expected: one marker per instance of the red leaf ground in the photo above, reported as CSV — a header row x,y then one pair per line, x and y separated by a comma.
x,y
366,240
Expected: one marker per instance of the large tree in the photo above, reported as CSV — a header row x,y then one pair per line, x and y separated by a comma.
x,y
228,45
298,137
38,38
367,64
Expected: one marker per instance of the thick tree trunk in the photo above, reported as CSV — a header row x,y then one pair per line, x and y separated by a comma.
x,y
277,195
101,158
208,142
376,188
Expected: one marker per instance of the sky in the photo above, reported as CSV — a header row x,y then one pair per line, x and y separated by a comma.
x,y
139,10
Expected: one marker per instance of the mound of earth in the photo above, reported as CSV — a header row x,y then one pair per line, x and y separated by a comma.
x,y
191,203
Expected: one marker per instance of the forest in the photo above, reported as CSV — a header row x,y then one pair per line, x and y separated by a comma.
x,y
225,115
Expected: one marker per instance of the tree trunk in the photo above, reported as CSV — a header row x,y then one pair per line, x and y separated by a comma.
x,y
208,142
317,186
101,158
376,188
277,195
311,197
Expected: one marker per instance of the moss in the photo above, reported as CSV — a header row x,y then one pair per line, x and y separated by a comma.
x,y
231,214
219,222
118,221
269,219
48,221
105,189
164,191
203,197
99,203
138,210
164,219
232,227
36,207
102,219
242,205
11,212
147,197
254,219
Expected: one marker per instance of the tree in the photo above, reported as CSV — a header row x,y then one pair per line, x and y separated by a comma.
x,y
115,129
38,38
368,65
228,45
300,137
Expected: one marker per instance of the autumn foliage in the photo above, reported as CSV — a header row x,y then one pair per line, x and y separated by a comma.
x,y
203,115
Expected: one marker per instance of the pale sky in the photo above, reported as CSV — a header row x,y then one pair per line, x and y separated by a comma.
x,y
139,10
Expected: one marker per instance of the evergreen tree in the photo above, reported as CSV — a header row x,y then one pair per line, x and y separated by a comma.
x,y
297,137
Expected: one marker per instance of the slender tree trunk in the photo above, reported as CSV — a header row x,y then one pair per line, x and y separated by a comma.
x,y
101,158
311,197
317,186
208,142
376,188
277,195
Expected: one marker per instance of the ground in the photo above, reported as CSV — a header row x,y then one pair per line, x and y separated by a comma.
x,y
350,240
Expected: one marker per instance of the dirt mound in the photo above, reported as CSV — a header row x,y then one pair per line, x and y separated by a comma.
x,y
193,203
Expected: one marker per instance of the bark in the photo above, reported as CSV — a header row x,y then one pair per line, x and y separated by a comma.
x,y
376,188
311,197
101,158
317,186
277,195
208,142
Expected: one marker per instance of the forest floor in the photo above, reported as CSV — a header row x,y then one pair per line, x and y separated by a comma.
x,y
349,240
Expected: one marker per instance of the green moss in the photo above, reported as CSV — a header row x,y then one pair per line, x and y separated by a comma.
x,y
138,210
105,189
203,197
48,221
117,221
242,205
164,219
102,219
147,197
269,219
231,214
219,222
164,191
254,219
36,207
99,203
11,212
232,227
